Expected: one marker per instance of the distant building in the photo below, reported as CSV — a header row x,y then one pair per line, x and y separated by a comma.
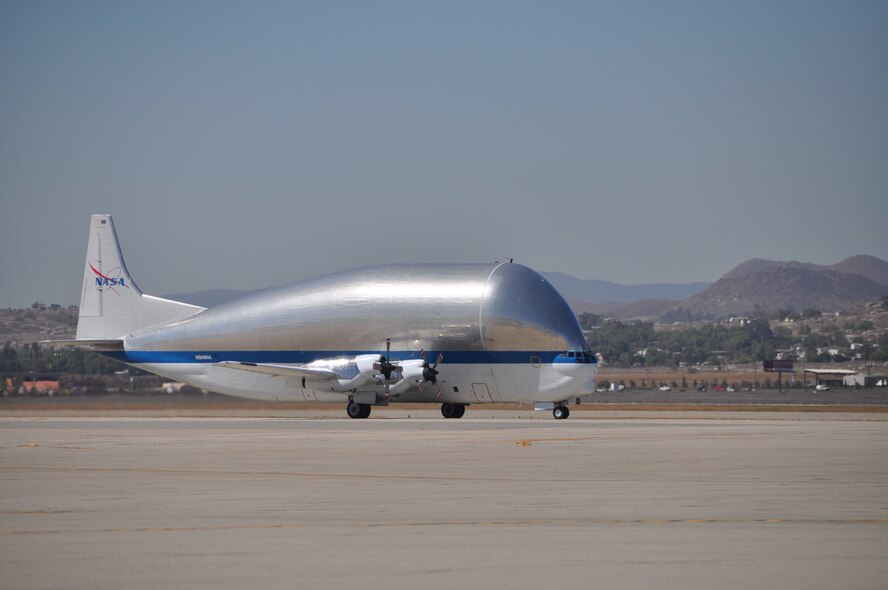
x,y
787,354
49,387
831,377
833,352
861,380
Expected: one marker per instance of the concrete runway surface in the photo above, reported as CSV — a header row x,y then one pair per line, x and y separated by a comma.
x,y
474,503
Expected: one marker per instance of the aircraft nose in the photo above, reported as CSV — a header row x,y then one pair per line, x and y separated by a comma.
x,y
578,364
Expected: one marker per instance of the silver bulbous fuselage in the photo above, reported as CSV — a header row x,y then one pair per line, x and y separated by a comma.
x,y
502,329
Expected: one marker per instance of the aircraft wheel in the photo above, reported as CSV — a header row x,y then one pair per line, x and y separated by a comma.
x,y
355,410
560,412
449,410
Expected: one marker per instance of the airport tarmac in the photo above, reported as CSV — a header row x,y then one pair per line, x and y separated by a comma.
x,y
483,502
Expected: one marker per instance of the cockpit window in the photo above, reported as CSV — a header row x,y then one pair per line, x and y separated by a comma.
x,y
580,356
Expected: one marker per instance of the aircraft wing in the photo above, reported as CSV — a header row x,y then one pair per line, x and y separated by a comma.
x,y
310,373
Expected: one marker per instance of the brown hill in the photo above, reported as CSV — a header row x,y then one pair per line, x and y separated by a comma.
x,y
761,284
23,326
755,265
875,269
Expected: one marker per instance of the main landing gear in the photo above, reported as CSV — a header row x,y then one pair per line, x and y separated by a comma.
x,y
356,410
561,412
449,410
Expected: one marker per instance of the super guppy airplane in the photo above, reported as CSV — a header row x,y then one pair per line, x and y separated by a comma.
x,y
494,333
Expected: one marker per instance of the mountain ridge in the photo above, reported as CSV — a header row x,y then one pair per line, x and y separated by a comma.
x,y
753,285
583,292
760,285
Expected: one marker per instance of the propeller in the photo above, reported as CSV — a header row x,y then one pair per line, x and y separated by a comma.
x,y
385,366
430,373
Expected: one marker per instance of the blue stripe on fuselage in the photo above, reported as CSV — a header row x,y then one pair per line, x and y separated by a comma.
x,y
307,356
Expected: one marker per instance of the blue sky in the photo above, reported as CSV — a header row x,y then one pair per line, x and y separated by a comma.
x,y
248,144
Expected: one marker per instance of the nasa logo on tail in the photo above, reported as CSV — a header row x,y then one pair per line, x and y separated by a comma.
x,y
106,281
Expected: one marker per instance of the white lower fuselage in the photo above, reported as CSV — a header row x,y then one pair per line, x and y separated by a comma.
x,y
458,383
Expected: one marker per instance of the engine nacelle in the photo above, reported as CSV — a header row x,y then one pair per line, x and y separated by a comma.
x,y
356,373
411,375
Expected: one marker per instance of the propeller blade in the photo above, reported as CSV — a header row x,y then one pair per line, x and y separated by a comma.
x,y
385,366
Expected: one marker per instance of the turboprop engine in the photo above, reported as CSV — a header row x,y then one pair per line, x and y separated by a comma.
x,y
351,373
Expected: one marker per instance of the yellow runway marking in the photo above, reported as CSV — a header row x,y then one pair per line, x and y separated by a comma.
x,y
526,442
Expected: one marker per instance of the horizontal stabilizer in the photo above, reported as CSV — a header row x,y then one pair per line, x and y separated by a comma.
x,y
97,345
311,374
111,304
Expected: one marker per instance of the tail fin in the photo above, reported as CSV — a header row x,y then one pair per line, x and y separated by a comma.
x,y
111,304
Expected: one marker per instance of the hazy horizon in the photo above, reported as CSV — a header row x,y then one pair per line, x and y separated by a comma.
x,y
243,145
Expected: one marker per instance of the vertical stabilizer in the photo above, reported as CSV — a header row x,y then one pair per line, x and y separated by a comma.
x,y
111,304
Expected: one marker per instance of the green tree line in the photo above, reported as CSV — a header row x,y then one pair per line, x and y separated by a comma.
x,y
637,343
33,358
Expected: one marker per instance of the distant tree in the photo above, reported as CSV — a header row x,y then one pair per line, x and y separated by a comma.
x,y
589,320
9,359
679,314
785,313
